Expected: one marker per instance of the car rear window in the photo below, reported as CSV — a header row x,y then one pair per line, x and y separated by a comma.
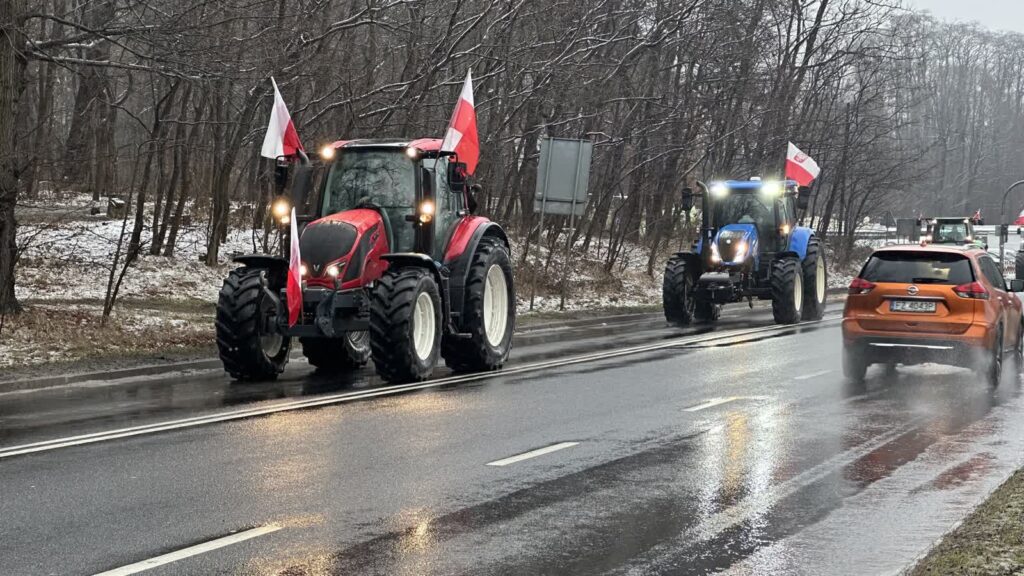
x,y
918,268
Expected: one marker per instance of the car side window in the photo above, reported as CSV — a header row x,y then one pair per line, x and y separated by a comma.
x,y
991,271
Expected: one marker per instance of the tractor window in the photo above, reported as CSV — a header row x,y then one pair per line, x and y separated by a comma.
x,y
383,177
743,209
950,233
448,205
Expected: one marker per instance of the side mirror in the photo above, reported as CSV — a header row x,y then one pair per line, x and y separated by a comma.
x,y
457,176
428,182
1017,285
280,177
687,199
803,197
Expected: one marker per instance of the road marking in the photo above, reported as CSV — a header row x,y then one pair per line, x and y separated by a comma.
x,y
190,551
711,403
344,397
533,454
813,375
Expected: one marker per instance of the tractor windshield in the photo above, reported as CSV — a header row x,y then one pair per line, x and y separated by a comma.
x,y
744,208
385,178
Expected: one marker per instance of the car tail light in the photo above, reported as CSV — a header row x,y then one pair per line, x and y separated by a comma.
x,y
861,286
971,290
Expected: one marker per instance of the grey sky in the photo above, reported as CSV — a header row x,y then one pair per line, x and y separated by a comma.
x,y
994,14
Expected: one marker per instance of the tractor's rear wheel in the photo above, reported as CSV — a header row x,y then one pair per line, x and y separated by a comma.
x,y
249,347
349,352
815,281
677,292
489,312
405,325
787,290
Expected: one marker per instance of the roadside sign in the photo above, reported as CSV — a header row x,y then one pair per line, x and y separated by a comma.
x,y
908,228
563,176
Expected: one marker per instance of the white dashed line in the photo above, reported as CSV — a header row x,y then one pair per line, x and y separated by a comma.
x,y
190,551
532,454
813,375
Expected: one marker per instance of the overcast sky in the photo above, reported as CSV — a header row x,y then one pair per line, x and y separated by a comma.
x,y
995,14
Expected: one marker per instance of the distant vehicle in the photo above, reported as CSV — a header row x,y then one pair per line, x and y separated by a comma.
x,y
952,230
943,304
749,247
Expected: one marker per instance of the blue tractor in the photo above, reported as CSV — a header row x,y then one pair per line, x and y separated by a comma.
x,y
749,247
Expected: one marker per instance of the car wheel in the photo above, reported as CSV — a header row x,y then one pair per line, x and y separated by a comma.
x,y
995,365
855,366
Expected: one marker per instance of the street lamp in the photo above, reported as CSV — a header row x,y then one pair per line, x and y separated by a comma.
x,y
1003,224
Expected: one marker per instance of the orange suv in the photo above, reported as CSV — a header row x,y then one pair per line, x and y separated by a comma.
x,y
943,304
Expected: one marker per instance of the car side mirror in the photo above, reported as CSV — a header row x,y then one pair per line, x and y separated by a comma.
x,y
687,199
458,175
1017,285
803,197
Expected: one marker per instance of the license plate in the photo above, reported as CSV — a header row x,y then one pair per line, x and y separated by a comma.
x,y
920,306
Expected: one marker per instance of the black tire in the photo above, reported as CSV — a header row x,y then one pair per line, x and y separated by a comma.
x,y
350,352
677,291
479,352
787,290
993,369
814,298
393,305
1018,264
243,309
855,365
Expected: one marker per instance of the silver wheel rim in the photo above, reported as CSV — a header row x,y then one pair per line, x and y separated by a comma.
x,y
358,340
819,280
423,326
271,344
798,293
495,311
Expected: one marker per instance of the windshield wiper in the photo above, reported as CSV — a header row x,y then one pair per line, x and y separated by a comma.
x,y
928,280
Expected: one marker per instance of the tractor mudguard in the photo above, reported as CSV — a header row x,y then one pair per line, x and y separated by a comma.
x,y
798,241
693,262
459,254
276,267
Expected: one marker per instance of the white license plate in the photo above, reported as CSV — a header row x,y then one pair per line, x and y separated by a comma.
x,y
922,306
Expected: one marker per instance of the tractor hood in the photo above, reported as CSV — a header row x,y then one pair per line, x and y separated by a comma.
x,y
347,243
734,244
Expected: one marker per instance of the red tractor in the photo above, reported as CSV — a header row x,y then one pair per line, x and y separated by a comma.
x,y
395,267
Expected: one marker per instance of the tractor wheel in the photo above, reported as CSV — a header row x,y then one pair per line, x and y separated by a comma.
x,y
405,325
677,292
245,311
787,290
349,352
489,315
815,281
1018,264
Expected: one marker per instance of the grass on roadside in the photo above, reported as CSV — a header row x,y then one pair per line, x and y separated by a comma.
x,y
989,542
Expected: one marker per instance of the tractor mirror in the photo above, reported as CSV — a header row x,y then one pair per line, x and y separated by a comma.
x,y
428,182
803,198
457,176
687,199
280,177
302,184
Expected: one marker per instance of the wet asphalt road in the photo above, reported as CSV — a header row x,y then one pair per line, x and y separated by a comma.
x,y
748,453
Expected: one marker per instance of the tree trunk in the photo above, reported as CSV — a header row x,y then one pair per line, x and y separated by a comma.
x,y
12,74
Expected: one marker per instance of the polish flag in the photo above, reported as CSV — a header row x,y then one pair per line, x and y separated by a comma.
x,y
800,166
281,138
294,289
461,137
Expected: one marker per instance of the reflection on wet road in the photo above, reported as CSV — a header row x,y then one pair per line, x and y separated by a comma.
x,y
752,457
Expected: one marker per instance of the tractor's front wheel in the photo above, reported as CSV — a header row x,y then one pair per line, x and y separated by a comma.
x,y
677,292
1018,264
349,352
787,290
405,325
249,345
489,314
815,281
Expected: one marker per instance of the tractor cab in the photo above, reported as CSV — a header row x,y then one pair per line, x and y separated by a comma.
x,y
954,230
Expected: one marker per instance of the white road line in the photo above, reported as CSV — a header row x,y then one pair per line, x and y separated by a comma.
x,y
190,551
813,375
532,454
330,399
710,403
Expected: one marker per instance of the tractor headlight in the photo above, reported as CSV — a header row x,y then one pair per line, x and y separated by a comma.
x,y
333,270
426,211
715,256
785,229
303,271
771,189
412,152
327,152
719,190
741,252
281,209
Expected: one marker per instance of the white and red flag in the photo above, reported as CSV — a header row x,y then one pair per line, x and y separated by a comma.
x,y
800,166
294,288
461,137
281,138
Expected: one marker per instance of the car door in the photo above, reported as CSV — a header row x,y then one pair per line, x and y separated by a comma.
x,y
1003,300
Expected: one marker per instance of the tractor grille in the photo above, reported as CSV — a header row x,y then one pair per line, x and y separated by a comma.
x,y
728,242
325,242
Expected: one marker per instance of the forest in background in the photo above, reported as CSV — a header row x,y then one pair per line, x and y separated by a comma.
x,y
163,103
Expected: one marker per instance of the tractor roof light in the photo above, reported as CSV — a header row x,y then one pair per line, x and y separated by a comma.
x,y
412,152
771,189
719,190
328,152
